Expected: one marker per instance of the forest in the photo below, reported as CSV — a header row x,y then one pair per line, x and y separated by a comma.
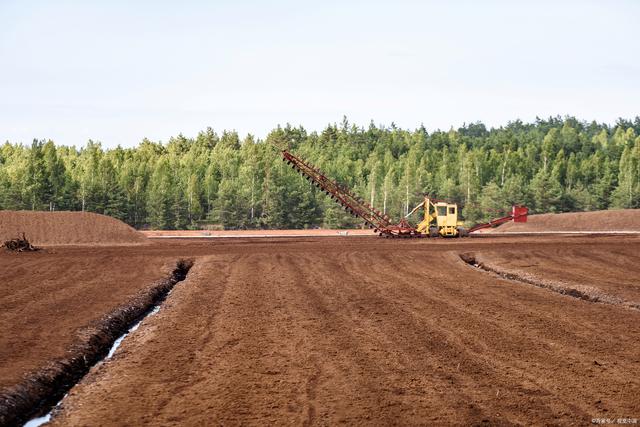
x,y
223,180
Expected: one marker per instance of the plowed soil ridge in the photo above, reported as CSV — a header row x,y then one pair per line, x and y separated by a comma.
x,y
43,388
586,293
611,220
67,228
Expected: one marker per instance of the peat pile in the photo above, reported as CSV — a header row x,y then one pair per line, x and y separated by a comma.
x,y
611,220
67,228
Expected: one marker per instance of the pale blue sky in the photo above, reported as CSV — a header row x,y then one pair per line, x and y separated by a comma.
x,y
118,71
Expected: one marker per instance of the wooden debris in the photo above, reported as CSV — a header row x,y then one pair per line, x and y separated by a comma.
x,y
19,244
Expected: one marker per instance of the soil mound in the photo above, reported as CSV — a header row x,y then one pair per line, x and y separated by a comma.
x,y
611,220
67,228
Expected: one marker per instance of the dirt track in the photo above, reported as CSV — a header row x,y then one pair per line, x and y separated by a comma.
x,y
321,331
256,233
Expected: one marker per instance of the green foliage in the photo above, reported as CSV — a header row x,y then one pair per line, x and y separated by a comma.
x,y
627,193
553,165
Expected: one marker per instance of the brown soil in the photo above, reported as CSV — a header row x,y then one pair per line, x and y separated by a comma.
x,y
608,276
67,228
53,302
257,233
613,220
367,331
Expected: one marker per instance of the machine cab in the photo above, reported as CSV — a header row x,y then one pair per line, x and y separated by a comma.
x,y
446,218
440,219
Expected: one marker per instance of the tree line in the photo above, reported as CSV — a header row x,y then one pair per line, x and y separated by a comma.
x,y
225,181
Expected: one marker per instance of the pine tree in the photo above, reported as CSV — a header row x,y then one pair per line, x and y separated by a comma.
x,y
159,199
56,177
547,193
627,193
37,185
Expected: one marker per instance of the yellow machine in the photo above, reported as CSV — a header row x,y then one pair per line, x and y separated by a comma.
x,y
440,219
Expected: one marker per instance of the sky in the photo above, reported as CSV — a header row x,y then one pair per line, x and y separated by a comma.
x,y
120,71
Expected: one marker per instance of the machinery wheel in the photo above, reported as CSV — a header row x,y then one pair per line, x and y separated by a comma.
x,y
462,232
433,232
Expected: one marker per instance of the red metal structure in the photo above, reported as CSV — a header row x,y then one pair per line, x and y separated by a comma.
x,y
353,204
518,214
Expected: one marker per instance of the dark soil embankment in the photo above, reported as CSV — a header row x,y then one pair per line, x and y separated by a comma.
x,y
67,228
612,220
42,388
575,290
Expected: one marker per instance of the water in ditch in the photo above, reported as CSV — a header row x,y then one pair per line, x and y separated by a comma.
x,y
35,422
38,421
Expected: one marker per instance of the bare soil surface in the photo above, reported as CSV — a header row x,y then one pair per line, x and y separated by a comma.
x,y
67,228
47,297
371,331
257,233
612,220
610,276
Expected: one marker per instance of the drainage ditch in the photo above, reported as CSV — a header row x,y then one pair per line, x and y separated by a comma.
x,y
588,293
42,390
